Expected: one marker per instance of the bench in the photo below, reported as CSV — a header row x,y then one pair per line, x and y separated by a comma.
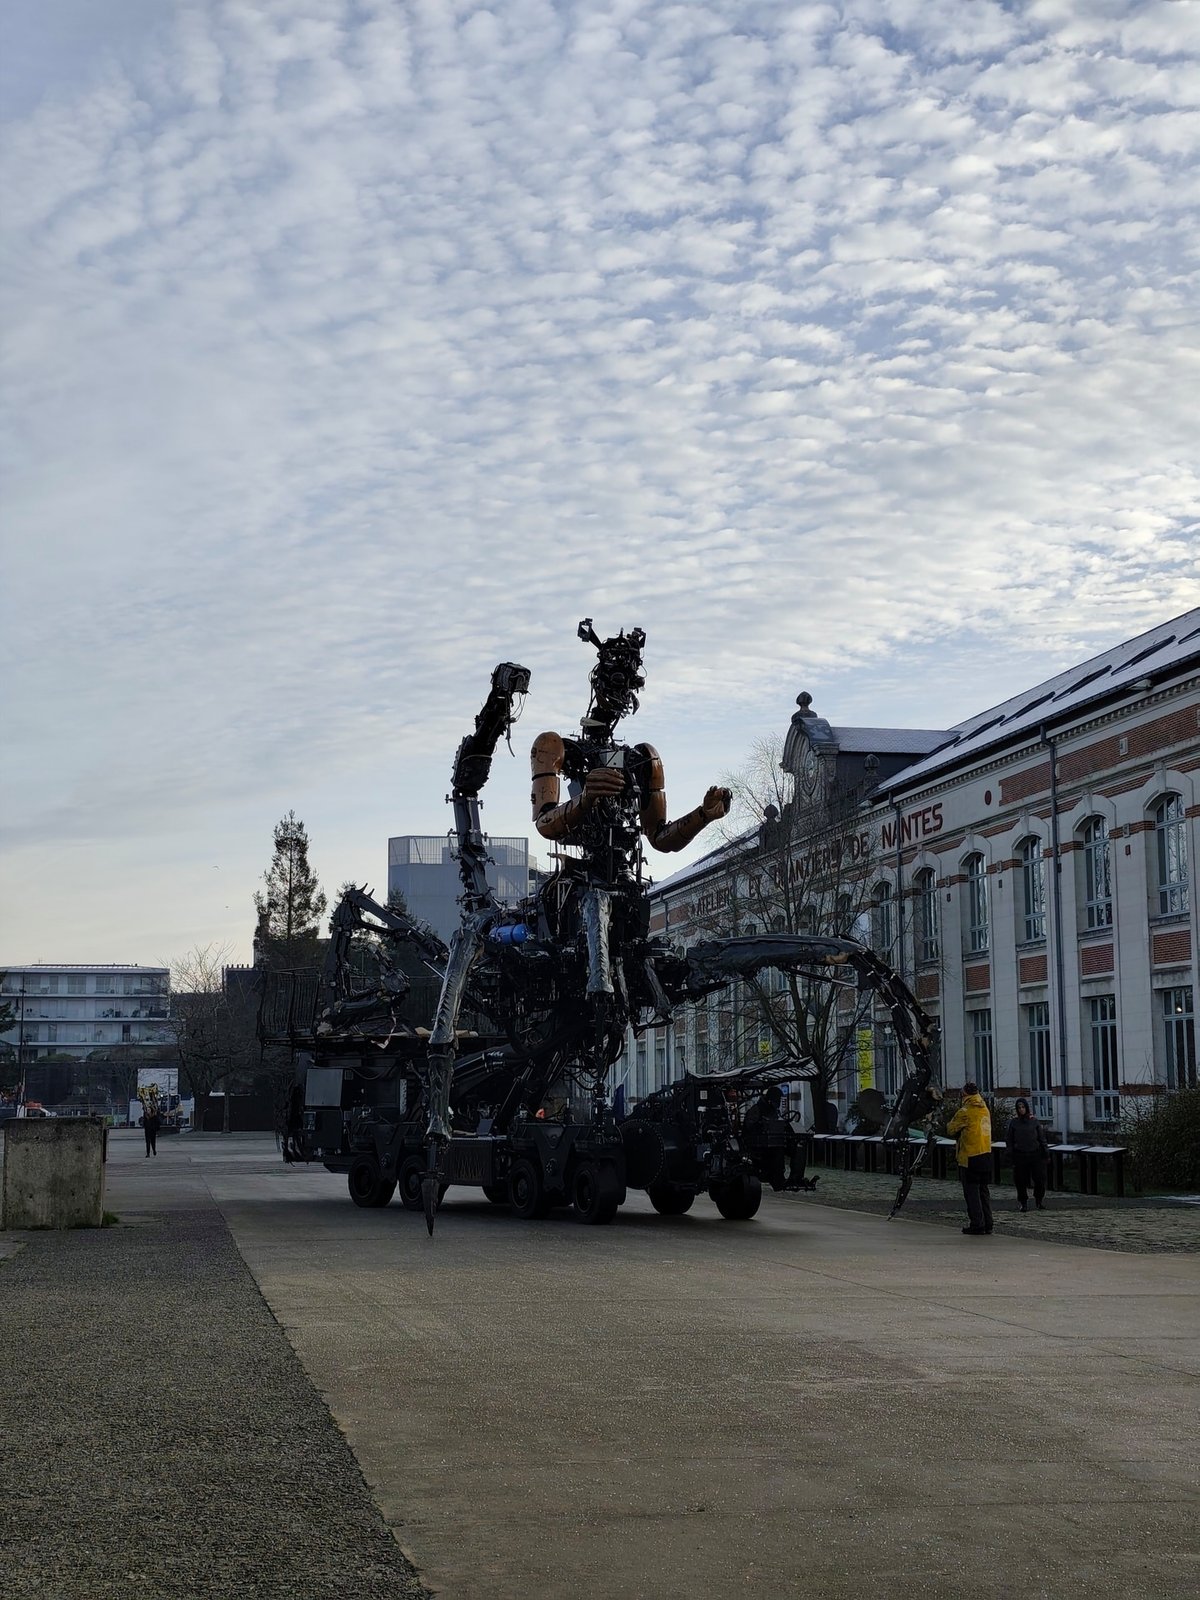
x,y
1058,1154
853,1152
1090,1157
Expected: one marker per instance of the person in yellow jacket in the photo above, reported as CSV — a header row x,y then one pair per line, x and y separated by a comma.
x,y
972,1125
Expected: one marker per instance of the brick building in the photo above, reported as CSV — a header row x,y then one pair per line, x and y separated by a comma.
x,y
1031,879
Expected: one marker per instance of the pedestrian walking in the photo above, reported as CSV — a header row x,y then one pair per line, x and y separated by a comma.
x,y
972,1126
1026,1140
150,1124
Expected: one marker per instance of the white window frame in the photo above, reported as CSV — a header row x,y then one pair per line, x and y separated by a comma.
x,y
978,921
1179,1037
1171,855
1097,872
1106,1077
982,1052
887,1063
928,942
1038,1057
1033,890
884,929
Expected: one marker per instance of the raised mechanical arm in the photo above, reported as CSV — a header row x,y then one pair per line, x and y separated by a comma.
x,y
472,765
714,963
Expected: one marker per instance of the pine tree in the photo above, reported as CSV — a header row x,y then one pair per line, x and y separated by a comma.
x,y
291,910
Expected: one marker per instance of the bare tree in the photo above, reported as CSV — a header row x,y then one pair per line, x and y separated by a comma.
x,y
794,863
212,1030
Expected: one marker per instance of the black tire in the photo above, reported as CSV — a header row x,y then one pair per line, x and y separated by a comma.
x,y
526,1191
737,1199
408,1180
669,1201
497,1193
595,1192
368,1186
412,1170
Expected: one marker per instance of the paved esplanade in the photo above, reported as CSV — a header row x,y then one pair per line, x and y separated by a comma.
x,y
814,1403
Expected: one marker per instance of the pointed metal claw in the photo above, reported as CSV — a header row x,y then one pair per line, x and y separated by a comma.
x,y
429,1195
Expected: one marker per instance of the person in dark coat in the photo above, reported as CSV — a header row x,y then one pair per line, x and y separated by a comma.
x,y
150,1123
1026,1142
762,1125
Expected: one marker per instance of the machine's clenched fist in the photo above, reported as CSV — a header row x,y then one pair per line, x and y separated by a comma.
x,y
716,803
602,783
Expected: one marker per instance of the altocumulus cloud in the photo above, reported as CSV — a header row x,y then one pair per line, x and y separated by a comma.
x,y
356,345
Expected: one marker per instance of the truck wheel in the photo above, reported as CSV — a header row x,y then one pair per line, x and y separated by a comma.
x,y
596,1192
525,1190
497,1193
738,1198
408,1179
368,1186
669,1201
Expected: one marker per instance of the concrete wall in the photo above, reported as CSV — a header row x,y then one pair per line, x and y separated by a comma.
x,y
53,1173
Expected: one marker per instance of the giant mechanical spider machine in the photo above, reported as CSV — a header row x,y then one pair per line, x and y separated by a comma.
x,y
551,984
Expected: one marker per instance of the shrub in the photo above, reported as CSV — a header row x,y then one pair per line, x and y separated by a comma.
x,y
1163,1136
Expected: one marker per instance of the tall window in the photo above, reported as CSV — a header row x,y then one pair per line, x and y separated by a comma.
x,y
977,904
1179,1038
1106,1100
925,884
1097,873
887,1064
884,918
640,1087
1033,890
660,1059
981,1050
1037,1044
1170,837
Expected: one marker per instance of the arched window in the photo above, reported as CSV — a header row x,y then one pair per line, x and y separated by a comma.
x,y
884,919
1170,839
1097,873
977,904
925,885
1033,890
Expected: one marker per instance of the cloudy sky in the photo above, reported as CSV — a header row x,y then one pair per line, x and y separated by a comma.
x,y
356,345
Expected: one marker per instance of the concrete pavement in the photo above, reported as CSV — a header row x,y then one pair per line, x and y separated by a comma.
x,y
813,1403
158,1437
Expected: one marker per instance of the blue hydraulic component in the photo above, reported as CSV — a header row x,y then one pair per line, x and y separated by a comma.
x,y
512,933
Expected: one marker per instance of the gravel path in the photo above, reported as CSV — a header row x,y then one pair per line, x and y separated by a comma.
x,y
1143,1224
229,1479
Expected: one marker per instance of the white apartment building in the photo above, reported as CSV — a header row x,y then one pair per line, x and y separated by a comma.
x,y
78,1010
1031,879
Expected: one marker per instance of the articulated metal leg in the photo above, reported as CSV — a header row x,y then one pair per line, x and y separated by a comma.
x,y
597,924
464,947
597,921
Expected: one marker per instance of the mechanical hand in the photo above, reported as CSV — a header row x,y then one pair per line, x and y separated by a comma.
x,y
716,803
603,783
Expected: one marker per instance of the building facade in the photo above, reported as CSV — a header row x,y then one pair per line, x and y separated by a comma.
x,y
1031,877
100,1017
424,869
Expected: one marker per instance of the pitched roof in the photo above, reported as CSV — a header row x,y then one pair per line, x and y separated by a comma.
x,y
1118,671
889,741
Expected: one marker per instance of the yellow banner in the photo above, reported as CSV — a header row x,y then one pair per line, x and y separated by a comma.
x,y
866,1058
